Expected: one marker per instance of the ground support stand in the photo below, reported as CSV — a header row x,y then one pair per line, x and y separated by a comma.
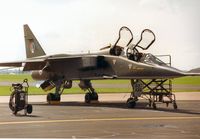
x,y
155,91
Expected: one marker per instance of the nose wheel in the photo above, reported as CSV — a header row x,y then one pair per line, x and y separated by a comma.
x,y
131,102
91,97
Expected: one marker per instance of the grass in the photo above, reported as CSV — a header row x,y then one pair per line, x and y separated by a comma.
x,y
15,78
5,90
21,77
187,80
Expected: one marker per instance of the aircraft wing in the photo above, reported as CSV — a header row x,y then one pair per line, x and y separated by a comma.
x,y
192,74
40,63
11,64
32,64
196,70
20,63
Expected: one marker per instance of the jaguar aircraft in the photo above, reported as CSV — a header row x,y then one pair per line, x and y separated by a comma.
x,y
111,62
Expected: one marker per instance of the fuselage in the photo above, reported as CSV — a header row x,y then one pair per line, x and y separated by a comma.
x,y
100,66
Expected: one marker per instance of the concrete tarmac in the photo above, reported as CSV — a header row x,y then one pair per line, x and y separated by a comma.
x,y
103,97
109,118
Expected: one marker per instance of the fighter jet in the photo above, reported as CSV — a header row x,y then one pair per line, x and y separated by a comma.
x,y
111,62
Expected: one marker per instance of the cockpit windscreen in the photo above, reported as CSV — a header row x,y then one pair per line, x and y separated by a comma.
x,y
151,59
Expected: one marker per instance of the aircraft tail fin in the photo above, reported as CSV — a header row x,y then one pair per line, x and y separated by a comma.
x,y
33,47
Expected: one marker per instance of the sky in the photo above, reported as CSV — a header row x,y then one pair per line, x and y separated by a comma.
x,y
63,26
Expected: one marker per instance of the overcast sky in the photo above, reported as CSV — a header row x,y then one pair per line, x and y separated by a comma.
x,y
81,25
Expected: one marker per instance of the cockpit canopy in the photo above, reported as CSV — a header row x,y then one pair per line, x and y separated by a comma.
x,y
147,38
131,49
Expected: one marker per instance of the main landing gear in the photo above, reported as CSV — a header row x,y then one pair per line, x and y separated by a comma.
x,y
54,98
91,95
60,85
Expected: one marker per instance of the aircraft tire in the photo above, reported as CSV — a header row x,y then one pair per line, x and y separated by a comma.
x,y
29,108
88,97
52,97
95,96
131,103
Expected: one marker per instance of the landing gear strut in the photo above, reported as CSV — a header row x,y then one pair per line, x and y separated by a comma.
x,y
54,98
91,95
137,90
